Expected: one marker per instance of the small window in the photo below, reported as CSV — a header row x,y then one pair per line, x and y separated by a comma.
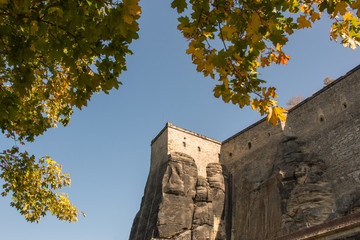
x,y
321,118
344,105
184,144
249,145
269,134
230,154
199,149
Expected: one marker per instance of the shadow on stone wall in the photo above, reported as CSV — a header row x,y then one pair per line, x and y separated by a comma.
x,y
294,195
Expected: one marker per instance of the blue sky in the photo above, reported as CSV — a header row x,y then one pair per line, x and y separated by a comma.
x,y
106,147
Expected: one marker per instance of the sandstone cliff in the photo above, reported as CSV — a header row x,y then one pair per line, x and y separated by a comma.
x,y
191,206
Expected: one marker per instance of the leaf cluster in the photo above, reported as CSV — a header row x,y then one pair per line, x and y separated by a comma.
x,y
252,34
54,55
32,185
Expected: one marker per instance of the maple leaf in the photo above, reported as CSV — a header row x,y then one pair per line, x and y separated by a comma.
x,y
347,16
284,58
356,5
254,23
314,16
228,31
303,22
180,5
340,8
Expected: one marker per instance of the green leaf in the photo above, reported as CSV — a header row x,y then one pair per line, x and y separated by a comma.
x,y
180,5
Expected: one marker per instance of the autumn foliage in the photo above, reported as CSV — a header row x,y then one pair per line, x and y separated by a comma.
x,y
252,35
55,54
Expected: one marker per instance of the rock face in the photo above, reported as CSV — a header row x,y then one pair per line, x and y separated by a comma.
x,y
177,206
191,207
307,198
262,183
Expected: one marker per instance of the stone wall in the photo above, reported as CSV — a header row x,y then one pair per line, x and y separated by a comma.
x,y
268,182
306,173
204,150
255,199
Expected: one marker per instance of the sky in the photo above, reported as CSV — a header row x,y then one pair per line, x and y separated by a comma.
x,y
106,147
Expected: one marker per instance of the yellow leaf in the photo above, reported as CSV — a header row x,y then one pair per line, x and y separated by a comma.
x,y
255,104
274,58
269,113
271,92
208,34
303,8
347,16
280,113
272,116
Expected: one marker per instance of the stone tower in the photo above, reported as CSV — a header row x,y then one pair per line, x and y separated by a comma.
x,y
185,191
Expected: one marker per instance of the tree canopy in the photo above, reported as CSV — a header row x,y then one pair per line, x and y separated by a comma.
x,y
56,54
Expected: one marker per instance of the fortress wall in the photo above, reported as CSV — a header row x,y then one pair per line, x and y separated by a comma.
x,y
329,124
256,204
255,145
308,173
336,104
204,150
